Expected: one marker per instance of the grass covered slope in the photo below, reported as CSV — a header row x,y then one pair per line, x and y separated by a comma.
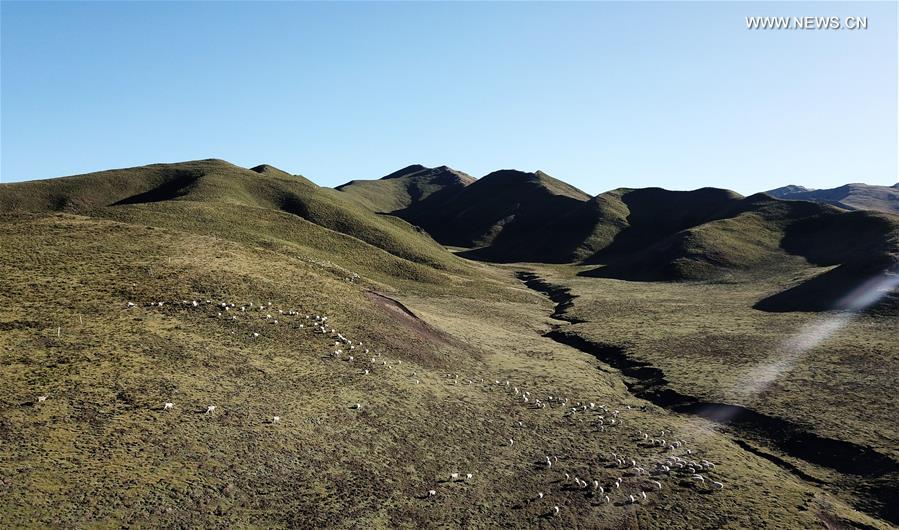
x,y
101,451
685,342
407,187
755,236
503,204
259,193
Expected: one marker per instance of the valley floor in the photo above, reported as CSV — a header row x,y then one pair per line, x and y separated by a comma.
x,y
467,379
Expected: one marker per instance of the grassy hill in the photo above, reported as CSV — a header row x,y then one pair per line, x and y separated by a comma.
x,y
405,188
213,196
499,206
98,330
759,236
849,196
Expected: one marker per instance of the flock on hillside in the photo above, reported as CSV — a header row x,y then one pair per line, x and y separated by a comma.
x,y
627,478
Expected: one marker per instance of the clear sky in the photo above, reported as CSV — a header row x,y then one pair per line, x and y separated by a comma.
x,y
602,95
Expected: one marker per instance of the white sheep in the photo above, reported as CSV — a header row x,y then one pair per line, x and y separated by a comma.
x,y
276,419
168,406
717,485
210,409
431,493
454,476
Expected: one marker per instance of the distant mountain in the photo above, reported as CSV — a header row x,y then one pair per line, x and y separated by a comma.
x,y
647,234
406,187
615,223
848,197
654,234
502,205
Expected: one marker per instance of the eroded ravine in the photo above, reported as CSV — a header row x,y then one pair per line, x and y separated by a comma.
x,y
649,383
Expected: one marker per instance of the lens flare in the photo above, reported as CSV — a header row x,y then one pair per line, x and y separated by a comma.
x,y
813,334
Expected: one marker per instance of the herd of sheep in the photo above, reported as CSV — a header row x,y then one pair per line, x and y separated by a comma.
x,y
632,482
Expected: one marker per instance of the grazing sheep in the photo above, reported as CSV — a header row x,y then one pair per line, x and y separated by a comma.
x,y
431,493
468,476
41,399
454,476
556,510
511,441
276,419
168,406
658,484
210,409
717,485
540,495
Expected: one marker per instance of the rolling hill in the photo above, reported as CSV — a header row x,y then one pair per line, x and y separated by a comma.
x,y
849,197
752,234
405,188
647,234
216,197
205,285
502,205
708,234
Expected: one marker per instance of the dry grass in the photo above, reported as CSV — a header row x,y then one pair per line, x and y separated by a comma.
x,y
99,452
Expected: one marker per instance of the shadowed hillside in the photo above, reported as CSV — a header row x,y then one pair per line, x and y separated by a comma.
x,y
849,196
407,187
653,234
498,206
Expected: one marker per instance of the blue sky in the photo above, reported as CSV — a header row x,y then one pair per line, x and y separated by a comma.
x,y
602,95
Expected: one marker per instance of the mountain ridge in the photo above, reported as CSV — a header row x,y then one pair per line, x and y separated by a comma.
x,y
852,196
647,234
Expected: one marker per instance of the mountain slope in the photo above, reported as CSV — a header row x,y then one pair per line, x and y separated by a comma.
x,y
179,195
406,187
495,207
849,197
